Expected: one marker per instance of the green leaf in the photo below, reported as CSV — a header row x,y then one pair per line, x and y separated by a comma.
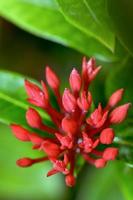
x,y
91,17
121,13
47,3
13,99
120,76
44,20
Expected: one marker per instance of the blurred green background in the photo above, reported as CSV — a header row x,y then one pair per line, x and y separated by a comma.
x,y
34,33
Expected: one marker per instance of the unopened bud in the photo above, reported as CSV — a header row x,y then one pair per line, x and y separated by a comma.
x,y
115,98
119,114
25,162
110,153
84,102
69,101
20,132
51,149
52,78
70,180
36,95
75,81
33,118
107,136
100,163
69,125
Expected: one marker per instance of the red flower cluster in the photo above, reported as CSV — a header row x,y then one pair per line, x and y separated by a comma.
x,y
77,132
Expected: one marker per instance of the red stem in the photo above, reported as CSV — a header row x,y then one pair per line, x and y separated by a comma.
x,y
36,160
88,159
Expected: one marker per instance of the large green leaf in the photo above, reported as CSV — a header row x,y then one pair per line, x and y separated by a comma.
x,y
43,19
13,98
91,17
121,13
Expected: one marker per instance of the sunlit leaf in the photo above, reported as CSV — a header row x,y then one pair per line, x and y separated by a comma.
x,y
91,17
44,20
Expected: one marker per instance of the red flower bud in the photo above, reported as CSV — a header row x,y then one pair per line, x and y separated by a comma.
x,y
119,114
36,95
69,101
100,163
69,125
20,132
45,90
95,72
87,143
60,166
51,149
91,65
25,162
36,139
107,136
115,98
84,102
52,78
89,70
97,118
66,141
75,81
84,69
110,153
70,180
33,118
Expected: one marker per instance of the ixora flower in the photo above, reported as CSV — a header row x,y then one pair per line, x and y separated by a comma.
x,y
77,132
